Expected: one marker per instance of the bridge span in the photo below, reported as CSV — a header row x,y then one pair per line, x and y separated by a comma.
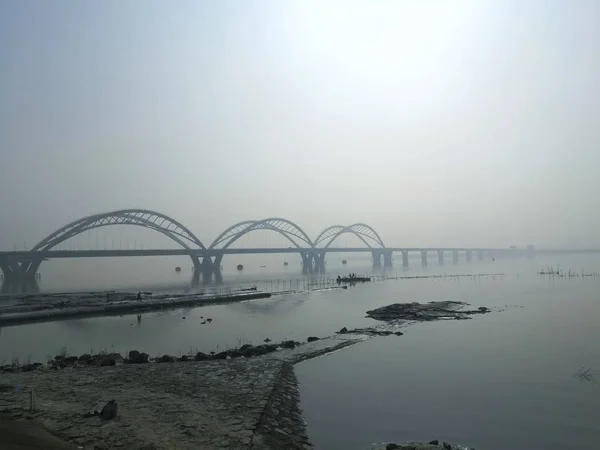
x,y
20,267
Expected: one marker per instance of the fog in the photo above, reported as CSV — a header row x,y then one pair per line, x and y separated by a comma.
x,y
439,123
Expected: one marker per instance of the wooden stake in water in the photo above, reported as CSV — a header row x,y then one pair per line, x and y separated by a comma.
x,y
31,400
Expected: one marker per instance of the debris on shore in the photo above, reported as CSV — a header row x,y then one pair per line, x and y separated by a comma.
x,y
432,445
418,312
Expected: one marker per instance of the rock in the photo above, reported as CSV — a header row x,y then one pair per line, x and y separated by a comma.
x,y
312,339
267,340
251,351
106,360
165,359
184,358
71,359
31,367
59,358
446,446
234,353
220,355
434,442
483,309
343,330
398,333
391,446
109,411
209,320
244,347
136,357
85,357
288,344
9,369
268,348
201,356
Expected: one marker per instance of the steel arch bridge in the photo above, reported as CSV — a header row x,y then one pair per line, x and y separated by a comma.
x,y
206,260
360,230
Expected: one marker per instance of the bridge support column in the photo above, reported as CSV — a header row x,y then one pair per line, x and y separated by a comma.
x,y
405,259
20,276
319,259
423,258
388,260
307,263
440,257
376,259
468,255
480,256
210,267
455,257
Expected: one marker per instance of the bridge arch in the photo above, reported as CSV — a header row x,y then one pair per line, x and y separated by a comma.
x,y
364,232
286,228
161,223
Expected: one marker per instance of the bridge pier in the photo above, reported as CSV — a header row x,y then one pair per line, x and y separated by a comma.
x,y
405,259
19,276
319,261
468,255
440,257
376,259
455,257
209,268
388,260
424,258
307,263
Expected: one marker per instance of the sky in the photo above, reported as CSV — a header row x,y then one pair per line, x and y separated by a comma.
x,y
438,123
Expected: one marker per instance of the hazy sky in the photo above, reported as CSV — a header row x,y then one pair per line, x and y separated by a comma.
x,y
437,122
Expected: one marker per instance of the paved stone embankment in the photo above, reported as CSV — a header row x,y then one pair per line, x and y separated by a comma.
x,y
245,403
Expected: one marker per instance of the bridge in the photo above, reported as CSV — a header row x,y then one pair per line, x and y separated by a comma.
x,y
21,267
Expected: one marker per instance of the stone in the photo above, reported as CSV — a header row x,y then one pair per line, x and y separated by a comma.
x,y
165,359
312,339
136,357
343,330
221,355
446,446
201,356
109,411
234,353
245,346
392,446
288,344
434,442
85,357
184,358
251,351
398,333
106,360
70,359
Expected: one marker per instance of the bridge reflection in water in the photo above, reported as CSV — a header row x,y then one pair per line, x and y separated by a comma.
x,y
20,268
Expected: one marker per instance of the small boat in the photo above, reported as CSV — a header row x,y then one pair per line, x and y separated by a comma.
x,y
353,279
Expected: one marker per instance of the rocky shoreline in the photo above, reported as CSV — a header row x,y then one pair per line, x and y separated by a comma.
x,y
241,403
241,398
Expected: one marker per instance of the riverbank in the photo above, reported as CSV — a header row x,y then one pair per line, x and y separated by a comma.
x,y
241,398
245,403
95,306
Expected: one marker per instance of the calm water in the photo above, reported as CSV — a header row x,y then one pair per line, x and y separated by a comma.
x,y
503,380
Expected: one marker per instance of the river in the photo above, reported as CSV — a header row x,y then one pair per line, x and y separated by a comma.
x,y
502,380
